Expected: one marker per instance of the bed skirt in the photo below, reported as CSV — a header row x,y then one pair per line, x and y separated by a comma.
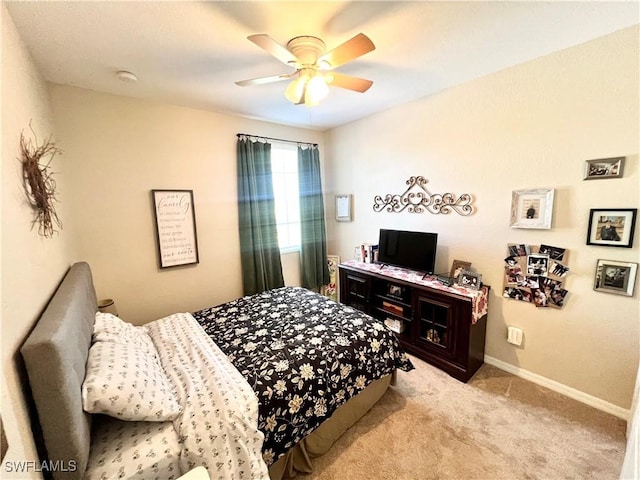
x,y
298,459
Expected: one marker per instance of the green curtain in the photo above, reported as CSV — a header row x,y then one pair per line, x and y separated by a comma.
x,y
313,248
259,250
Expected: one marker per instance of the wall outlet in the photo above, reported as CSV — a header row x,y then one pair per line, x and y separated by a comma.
x,y
514,335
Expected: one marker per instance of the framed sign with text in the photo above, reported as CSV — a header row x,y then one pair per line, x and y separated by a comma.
x,y
175,227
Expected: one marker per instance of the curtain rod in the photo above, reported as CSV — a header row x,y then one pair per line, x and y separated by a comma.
x,y
276,139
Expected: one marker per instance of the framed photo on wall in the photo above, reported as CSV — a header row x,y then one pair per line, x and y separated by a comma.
x,y
532,208
343,208
611,227
615,277
603,168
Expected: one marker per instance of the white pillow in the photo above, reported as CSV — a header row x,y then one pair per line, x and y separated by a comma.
x,y
127,383
110,328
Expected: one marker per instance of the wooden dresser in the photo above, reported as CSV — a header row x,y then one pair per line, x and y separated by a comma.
x,y
445,326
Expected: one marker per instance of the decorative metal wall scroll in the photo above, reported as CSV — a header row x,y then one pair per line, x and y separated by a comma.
x,y
417,199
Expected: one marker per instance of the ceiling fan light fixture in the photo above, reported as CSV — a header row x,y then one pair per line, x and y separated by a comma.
x,y
310,87
295,90
324,65
316,90
313,66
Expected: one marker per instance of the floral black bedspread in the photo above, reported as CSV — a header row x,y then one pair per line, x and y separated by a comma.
x,y
303,354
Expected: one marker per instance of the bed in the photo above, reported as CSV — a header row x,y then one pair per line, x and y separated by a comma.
x,y
244,402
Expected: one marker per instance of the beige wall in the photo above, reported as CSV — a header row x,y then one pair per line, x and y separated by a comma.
x,y
631,464
118,149
529,126
32,265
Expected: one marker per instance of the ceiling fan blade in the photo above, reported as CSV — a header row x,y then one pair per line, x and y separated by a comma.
x,y
357,46
350,83
262,80
268,44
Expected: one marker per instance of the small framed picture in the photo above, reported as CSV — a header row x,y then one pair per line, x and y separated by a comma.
x,y
395,291
469,279
457,267
532,208
333,288
343,208
615,277
603,168
612,227
537,264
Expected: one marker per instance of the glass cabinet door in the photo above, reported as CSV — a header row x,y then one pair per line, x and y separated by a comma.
x,y
435,329
357,292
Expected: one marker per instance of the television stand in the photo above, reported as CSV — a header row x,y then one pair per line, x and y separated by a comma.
x,y
443,325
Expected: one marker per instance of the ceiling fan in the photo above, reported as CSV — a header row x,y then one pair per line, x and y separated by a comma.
x,y
313,66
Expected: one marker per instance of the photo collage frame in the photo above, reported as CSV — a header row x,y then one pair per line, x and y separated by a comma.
x,y
536,274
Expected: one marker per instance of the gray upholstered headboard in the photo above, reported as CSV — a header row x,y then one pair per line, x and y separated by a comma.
x,y
55,355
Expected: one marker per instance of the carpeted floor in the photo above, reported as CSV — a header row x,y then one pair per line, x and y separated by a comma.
x,y
498,426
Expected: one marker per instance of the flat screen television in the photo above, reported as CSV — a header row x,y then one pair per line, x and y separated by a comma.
x,y
412,250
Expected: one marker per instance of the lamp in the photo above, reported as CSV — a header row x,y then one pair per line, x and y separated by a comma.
x,y
310,87
107,306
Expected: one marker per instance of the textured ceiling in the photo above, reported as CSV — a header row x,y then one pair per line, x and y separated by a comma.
x,y
191,53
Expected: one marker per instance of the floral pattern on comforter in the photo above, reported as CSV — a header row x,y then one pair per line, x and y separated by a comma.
x,y
303,354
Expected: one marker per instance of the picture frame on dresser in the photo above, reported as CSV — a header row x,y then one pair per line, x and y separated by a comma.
x,y
457,267
470,280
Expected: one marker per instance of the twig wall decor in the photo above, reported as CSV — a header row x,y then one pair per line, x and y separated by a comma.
x,y
417,199
39,184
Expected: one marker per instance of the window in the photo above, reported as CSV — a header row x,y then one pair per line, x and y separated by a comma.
x,y
284,167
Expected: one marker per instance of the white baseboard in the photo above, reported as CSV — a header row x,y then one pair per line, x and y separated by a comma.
x,y
560,388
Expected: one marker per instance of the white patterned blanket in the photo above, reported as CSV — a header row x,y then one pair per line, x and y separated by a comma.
x,y
218,426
